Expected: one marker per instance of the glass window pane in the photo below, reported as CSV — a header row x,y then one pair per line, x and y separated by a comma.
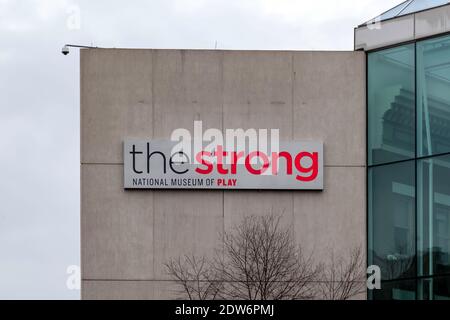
x,y
396,290
391,105
407,7
419,5
391,13
392,219
433,204
437,288
433,96
441,288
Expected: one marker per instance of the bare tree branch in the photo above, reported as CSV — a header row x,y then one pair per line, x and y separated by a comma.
x,y
260,260
342,279
194,276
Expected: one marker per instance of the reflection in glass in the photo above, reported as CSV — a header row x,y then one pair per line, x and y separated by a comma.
x,y
409,121
433,205
437,288
392,219
433,96
396,290
391,105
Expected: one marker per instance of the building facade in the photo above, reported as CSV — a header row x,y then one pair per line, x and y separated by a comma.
x,y
408,141
381,111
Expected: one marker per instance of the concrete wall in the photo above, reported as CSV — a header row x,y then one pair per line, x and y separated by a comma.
x,y
126,236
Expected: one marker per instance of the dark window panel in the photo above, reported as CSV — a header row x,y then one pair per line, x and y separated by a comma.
x,y
391,105
392,237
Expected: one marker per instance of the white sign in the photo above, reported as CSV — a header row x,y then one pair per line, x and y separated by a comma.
x,y
156,164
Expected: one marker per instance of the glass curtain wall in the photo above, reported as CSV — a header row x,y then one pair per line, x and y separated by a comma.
x,y
409,169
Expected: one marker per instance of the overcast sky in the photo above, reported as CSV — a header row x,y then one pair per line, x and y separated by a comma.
x,y
39,101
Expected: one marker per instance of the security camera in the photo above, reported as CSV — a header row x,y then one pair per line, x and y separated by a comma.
x,y
65,50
